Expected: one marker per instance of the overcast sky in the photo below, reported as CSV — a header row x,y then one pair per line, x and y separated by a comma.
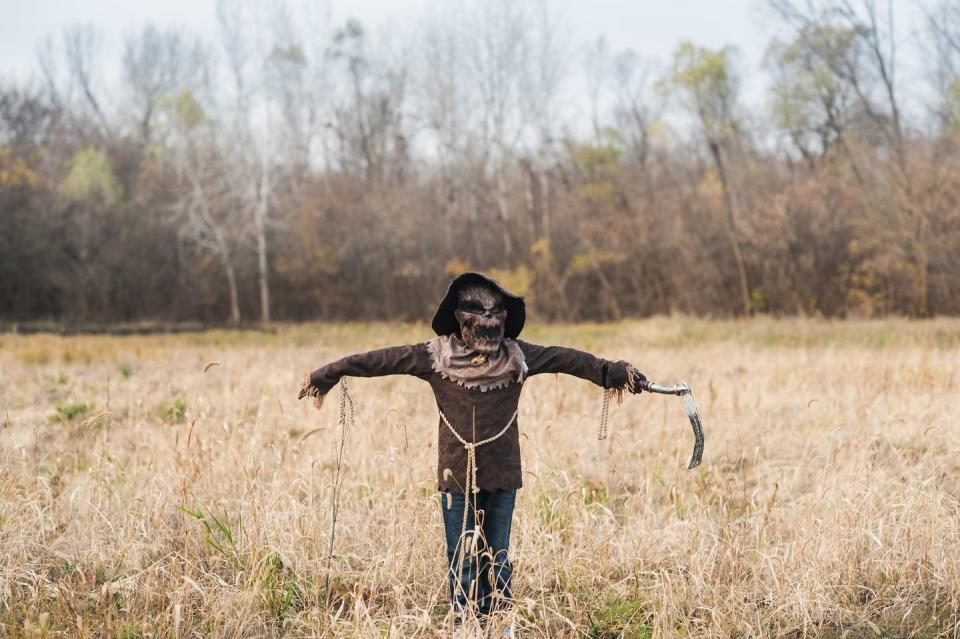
x,y
652,28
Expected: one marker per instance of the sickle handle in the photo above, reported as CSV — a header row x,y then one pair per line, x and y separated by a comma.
x,y
663,389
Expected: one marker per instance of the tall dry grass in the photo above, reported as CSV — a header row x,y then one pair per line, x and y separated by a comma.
x,y
146,493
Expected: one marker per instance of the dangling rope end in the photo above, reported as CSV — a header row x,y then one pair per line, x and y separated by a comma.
x,y
608,393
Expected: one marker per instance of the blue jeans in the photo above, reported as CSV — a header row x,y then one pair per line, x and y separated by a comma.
x,y
482,581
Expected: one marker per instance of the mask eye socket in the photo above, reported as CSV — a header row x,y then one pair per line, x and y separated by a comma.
x,y
478,308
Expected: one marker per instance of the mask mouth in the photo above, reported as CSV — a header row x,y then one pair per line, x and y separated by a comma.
x,y
484,337
489,333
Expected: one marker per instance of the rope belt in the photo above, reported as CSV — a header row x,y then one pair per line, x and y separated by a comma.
x,y
470,480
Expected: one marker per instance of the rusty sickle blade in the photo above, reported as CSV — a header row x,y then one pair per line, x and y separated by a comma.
x,y
686,396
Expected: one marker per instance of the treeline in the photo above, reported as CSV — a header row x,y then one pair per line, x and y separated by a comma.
x,y
286,168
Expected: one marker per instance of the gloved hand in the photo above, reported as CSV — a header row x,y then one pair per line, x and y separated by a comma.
x,y
634,379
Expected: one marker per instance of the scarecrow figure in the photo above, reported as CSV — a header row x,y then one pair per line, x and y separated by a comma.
x,y
476,367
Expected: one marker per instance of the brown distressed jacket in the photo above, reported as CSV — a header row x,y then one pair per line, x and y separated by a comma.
x,y
498,462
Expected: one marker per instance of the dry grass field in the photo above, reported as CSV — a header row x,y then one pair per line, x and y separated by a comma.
x,y
145,491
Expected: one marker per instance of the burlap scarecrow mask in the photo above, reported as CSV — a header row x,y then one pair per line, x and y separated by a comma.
x,y
480,311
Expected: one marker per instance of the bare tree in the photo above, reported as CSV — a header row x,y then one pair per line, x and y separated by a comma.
x,y
498,58
207,206
546,73
636,109
597,69
809,103
156,65
855,44
368,116
867,66
943,45
707,82
82,44
443,102
245,44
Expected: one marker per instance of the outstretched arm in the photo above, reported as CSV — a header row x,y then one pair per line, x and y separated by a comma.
x,y
620,375
410,359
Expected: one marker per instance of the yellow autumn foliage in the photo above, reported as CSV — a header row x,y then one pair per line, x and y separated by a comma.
x,y
15,172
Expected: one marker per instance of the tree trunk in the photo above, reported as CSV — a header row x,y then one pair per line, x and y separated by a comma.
x,y
262,210
731,226
504,212
232,286
534,196
549,203
922,259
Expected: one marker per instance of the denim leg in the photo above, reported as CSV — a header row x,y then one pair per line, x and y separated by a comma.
x,y
462,579
497,519
484,578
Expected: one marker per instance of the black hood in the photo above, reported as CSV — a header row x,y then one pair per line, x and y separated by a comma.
x,y
445,322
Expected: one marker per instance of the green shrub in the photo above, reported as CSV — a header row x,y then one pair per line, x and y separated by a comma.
x,y
70,411
620,618
176,410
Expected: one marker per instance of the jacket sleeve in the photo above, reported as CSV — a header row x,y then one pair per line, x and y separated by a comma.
x,y
410,359
620,375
